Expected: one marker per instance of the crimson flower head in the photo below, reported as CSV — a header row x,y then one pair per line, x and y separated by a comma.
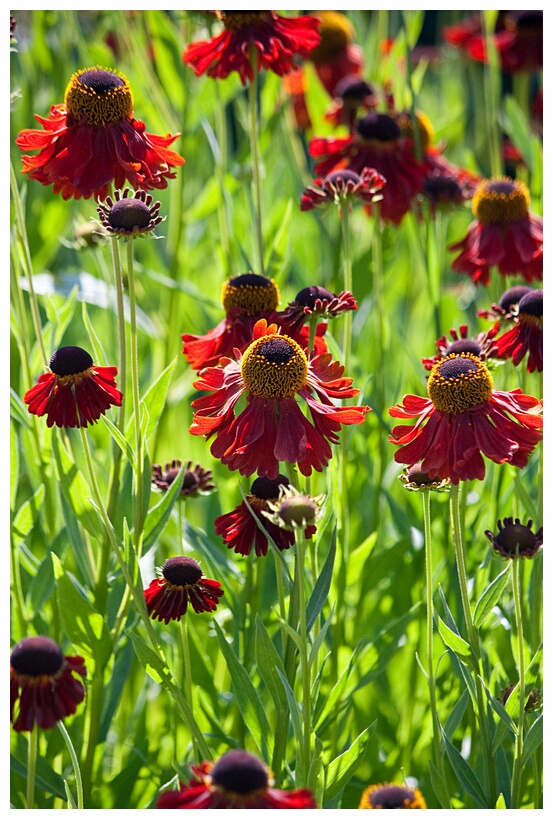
x,y
526,335
93,140
74,393
341,187
272,374
310,302
42,683
236,780
246,299
377,143
196,481
464,418
507,308
129,216
181,582
337,55
263,39
503,235
482,345
389,795
240,529
514,539
519,42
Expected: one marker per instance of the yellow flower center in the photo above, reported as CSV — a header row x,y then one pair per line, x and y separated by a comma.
x,y
336,34
235,20
98,96
274,367
254,294
500,200
426,130
458,383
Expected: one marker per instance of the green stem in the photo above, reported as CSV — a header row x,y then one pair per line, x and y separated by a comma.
x,y
438,755
489,761
138,596
187,668
32,751
28,265
492,90
304,655
256,165
348,282
75,763
517,767
138,511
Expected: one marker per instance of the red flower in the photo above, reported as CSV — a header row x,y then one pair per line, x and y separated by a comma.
x,y
42,680
390,795
337,55
343,186
507,308
463,419
93,140
271,428
504,234
526,336
376,143
74,393
276,39
309,302
196,480
350,94
237,780
515,540
240,528
520,43
246,299
461,33
482,345
181,582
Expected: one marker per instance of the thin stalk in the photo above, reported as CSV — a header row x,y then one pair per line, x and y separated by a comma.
x,y
253,121
304,654
138,597
21,231
75,763
492,86
517,766
438,755
187,675
138,511
348,281
489,762
32,751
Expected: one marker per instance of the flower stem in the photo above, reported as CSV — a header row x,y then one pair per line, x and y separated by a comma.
x,y
75,763
304,655
348,282
138,511
489,761
187,668
256,167
438,755
21,232
492,90
32,750
138,596
517,767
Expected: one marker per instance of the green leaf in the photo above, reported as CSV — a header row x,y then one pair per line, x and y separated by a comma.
x,y
342,768
84,626
45,778
464,772
159,515
454,641
489,598
439,786
500,804
27,514
153,401
120,440
73,487
14,466
151,662
532,740
319,595
268,661
277,253
249,703
457,713
18,410
515,125
316,773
